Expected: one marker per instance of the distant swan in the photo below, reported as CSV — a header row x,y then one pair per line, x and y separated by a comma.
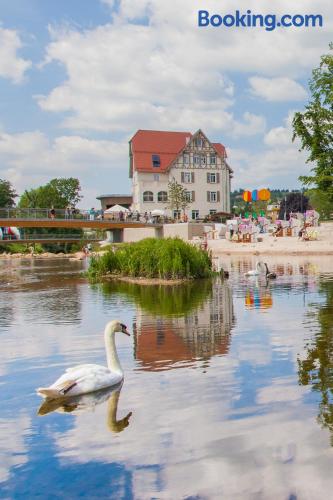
x,y
269,274
255,272
83,379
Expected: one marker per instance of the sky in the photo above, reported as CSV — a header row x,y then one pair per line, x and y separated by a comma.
x,y
78,78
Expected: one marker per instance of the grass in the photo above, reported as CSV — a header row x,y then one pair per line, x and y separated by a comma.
x,y
169,258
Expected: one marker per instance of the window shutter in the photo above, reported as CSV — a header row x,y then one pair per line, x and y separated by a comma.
x,y
208,177
218,177
218,196
192,176
193,196
208,195
182,177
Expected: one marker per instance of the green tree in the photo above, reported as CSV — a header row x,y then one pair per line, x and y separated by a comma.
x,y
68,190
293,202
177,196
58,193
314,127
7,194
320,201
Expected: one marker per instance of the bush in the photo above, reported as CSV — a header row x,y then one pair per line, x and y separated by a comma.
x,y
170,258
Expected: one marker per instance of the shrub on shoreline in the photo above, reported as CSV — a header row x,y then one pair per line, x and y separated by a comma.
x,y
170,258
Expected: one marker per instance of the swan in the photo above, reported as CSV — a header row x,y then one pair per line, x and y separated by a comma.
x,y
269,274
83,379
255,272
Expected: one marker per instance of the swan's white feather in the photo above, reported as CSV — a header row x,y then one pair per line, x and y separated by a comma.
x,y
87,378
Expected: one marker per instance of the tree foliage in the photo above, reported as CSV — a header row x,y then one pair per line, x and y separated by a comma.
x,y
7,194
177,196
293,202
314,127
58,193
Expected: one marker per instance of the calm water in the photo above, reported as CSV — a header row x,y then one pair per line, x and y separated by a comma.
x,y
227,391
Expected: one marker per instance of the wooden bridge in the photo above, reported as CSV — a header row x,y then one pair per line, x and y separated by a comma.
x,y
39,217
74,219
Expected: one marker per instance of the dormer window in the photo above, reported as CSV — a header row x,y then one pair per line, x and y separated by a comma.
x,y
199,142
156,160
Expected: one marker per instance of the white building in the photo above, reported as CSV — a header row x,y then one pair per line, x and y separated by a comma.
x,y
192,160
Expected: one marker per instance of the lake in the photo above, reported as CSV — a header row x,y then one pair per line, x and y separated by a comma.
x,y
227,390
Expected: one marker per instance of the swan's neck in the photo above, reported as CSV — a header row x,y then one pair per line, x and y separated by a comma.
x,y
111,354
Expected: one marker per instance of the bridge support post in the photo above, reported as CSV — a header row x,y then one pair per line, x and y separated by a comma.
x,y
115,235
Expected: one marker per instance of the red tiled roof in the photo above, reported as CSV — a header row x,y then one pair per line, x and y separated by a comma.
x,y
167,145
220,149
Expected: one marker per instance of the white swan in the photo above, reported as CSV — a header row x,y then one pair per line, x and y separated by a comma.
x,y
258,270
83,379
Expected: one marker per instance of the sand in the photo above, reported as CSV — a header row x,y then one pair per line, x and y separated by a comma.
x,y
288,245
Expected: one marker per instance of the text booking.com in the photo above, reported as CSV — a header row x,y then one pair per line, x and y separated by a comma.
x,y
249,20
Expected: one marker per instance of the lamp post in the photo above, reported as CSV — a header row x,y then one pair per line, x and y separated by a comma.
x,y
285,208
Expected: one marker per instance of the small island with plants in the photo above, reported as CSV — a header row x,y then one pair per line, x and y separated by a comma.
x,y
162,260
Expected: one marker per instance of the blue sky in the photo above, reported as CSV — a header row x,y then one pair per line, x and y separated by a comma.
x,y
77,79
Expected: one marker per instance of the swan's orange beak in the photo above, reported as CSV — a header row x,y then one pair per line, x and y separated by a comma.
x,y
124,330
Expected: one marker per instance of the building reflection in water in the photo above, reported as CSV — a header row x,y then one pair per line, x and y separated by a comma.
x,y
165,342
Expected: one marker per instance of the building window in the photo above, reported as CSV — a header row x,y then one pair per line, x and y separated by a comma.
x,y
203,159
187,177
162,196
176,214
199,142
188,195
212,212
213,177
212,159
213,196
196,159
156,160
156,177
186,158
195,214
148,196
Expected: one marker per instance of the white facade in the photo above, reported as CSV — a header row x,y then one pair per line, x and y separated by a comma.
x,y
199,168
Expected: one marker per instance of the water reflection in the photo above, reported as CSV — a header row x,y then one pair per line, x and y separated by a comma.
x,y
165,342
164,300
259,298
316,368
88,402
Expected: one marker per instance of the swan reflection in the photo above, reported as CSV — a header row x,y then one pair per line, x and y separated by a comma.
x,y
88,402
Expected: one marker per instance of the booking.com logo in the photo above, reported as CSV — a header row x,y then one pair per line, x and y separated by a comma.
x,y
250,20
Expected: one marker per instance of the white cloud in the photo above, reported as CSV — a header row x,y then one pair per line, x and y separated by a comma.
x,y
280,163
11,66
175,72
277,89
30,159
281,136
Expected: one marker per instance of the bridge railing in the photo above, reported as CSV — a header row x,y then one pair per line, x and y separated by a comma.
x,y
76,214
50,237
46,213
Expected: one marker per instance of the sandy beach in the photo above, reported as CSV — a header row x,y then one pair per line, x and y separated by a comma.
x,y
270,245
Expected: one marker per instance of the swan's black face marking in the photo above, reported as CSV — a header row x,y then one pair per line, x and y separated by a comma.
x,y
124,329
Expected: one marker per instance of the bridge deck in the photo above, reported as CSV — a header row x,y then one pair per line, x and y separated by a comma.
x,y
73,223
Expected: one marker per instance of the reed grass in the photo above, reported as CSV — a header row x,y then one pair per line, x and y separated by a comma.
x,y
170,258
